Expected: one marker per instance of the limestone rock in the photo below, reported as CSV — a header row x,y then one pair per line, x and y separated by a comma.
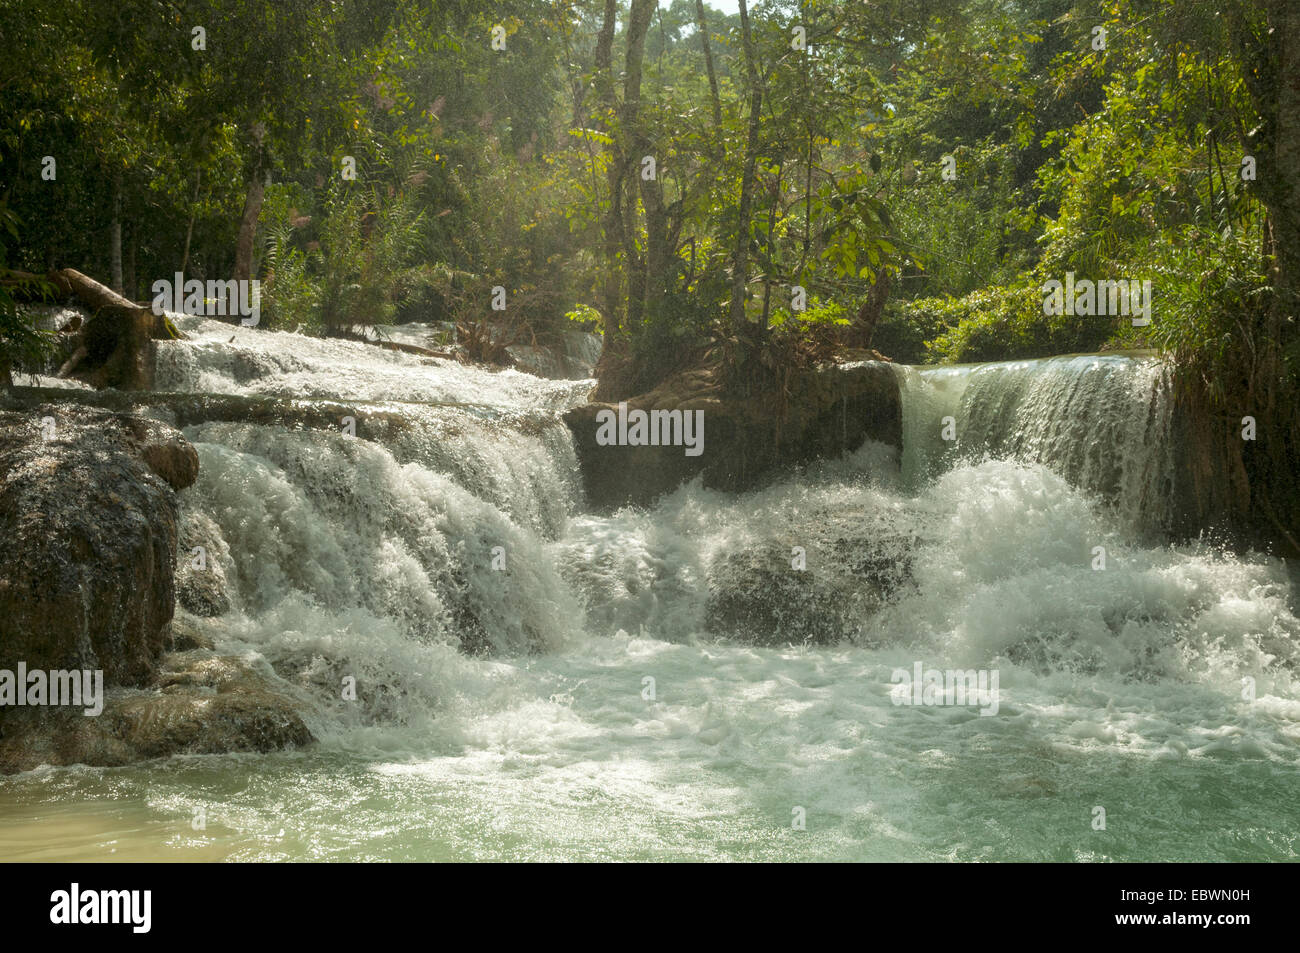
x,y
88,532
202,586
829,410
205,704
853,564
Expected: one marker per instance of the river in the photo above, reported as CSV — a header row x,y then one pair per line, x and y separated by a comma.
x,y
539,682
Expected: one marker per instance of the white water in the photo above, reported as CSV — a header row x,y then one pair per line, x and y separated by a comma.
x,y
1120,688
1102,421
222,359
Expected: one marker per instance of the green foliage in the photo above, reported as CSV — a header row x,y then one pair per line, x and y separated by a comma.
x,y
1007,322
479,168
22,345
583,315
1211,286
357,272
367,245
1141,183
291,294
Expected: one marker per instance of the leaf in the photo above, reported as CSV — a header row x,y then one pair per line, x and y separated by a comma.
x,y
592,135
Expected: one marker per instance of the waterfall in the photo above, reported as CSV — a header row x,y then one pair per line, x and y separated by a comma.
x,y
221,359
391,545
1101,421
536,680
1053,461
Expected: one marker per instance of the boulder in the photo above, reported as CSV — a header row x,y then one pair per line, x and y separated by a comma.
x,y
201,582
185,633
88,527
828,410
203,703
852,565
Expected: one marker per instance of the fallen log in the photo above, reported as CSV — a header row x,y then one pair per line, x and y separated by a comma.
x,y
97,297
416,349
381,420
113,347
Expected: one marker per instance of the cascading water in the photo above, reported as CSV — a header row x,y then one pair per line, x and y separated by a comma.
x,y
1102,421
663,683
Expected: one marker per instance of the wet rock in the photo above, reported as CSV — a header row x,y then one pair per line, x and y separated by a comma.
x,y
201,582
211,704
88,534
185,634
828,410
204,704
757,597
173,459
851,567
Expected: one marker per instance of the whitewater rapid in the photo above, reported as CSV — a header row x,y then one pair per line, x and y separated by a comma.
x,y
588,701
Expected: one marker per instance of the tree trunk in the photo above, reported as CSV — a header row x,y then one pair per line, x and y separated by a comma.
x,y
129,286
113,348
248,227
703,26
1273,462
611,294
92,294
638,25
115,237
1284,18
189,229
740,259
1266,40
869,314
255,185
663,227
770,265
